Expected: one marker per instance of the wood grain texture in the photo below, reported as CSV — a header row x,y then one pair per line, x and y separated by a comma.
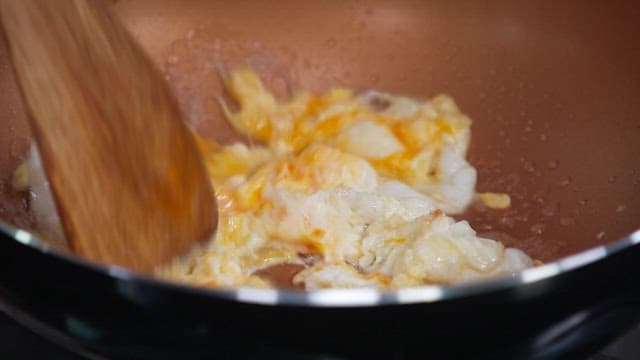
x,y
128,180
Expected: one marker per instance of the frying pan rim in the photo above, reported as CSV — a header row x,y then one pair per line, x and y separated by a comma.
x,y
367,297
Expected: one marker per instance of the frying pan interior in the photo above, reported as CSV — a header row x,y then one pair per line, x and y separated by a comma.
x,y
552,89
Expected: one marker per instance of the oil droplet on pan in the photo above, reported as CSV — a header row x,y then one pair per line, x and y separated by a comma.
x,y
566,221
553,164
566,181
537,229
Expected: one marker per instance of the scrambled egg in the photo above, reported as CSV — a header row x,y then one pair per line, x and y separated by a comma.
x,y
354,189
361,184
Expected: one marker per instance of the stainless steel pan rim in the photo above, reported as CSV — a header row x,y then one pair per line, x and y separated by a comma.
x,y
344,297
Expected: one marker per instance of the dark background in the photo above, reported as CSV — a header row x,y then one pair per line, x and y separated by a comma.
x,y
16,342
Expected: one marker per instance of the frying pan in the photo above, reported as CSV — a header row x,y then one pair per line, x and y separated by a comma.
x,y
552,89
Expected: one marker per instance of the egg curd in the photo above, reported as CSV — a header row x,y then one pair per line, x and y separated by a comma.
x,y
355,189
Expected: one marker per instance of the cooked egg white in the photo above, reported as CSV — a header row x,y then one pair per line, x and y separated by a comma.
x,y
362,182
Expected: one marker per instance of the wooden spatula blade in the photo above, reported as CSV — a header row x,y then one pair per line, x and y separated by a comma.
x,y
128,180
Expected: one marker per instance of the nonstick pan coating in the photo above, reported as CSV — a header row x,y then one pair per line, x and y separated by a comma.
x,y
552,89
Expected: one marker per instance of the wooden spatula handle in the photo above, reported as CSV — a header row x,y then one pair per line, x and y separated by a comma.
x,y
128,180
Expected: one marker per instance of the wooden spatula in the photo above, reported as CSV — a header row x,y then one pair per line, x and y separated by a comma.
x,y
128,180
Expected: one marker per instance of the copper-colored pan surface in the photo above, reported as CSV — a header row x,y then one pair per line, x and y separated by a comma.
x,y
552,88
